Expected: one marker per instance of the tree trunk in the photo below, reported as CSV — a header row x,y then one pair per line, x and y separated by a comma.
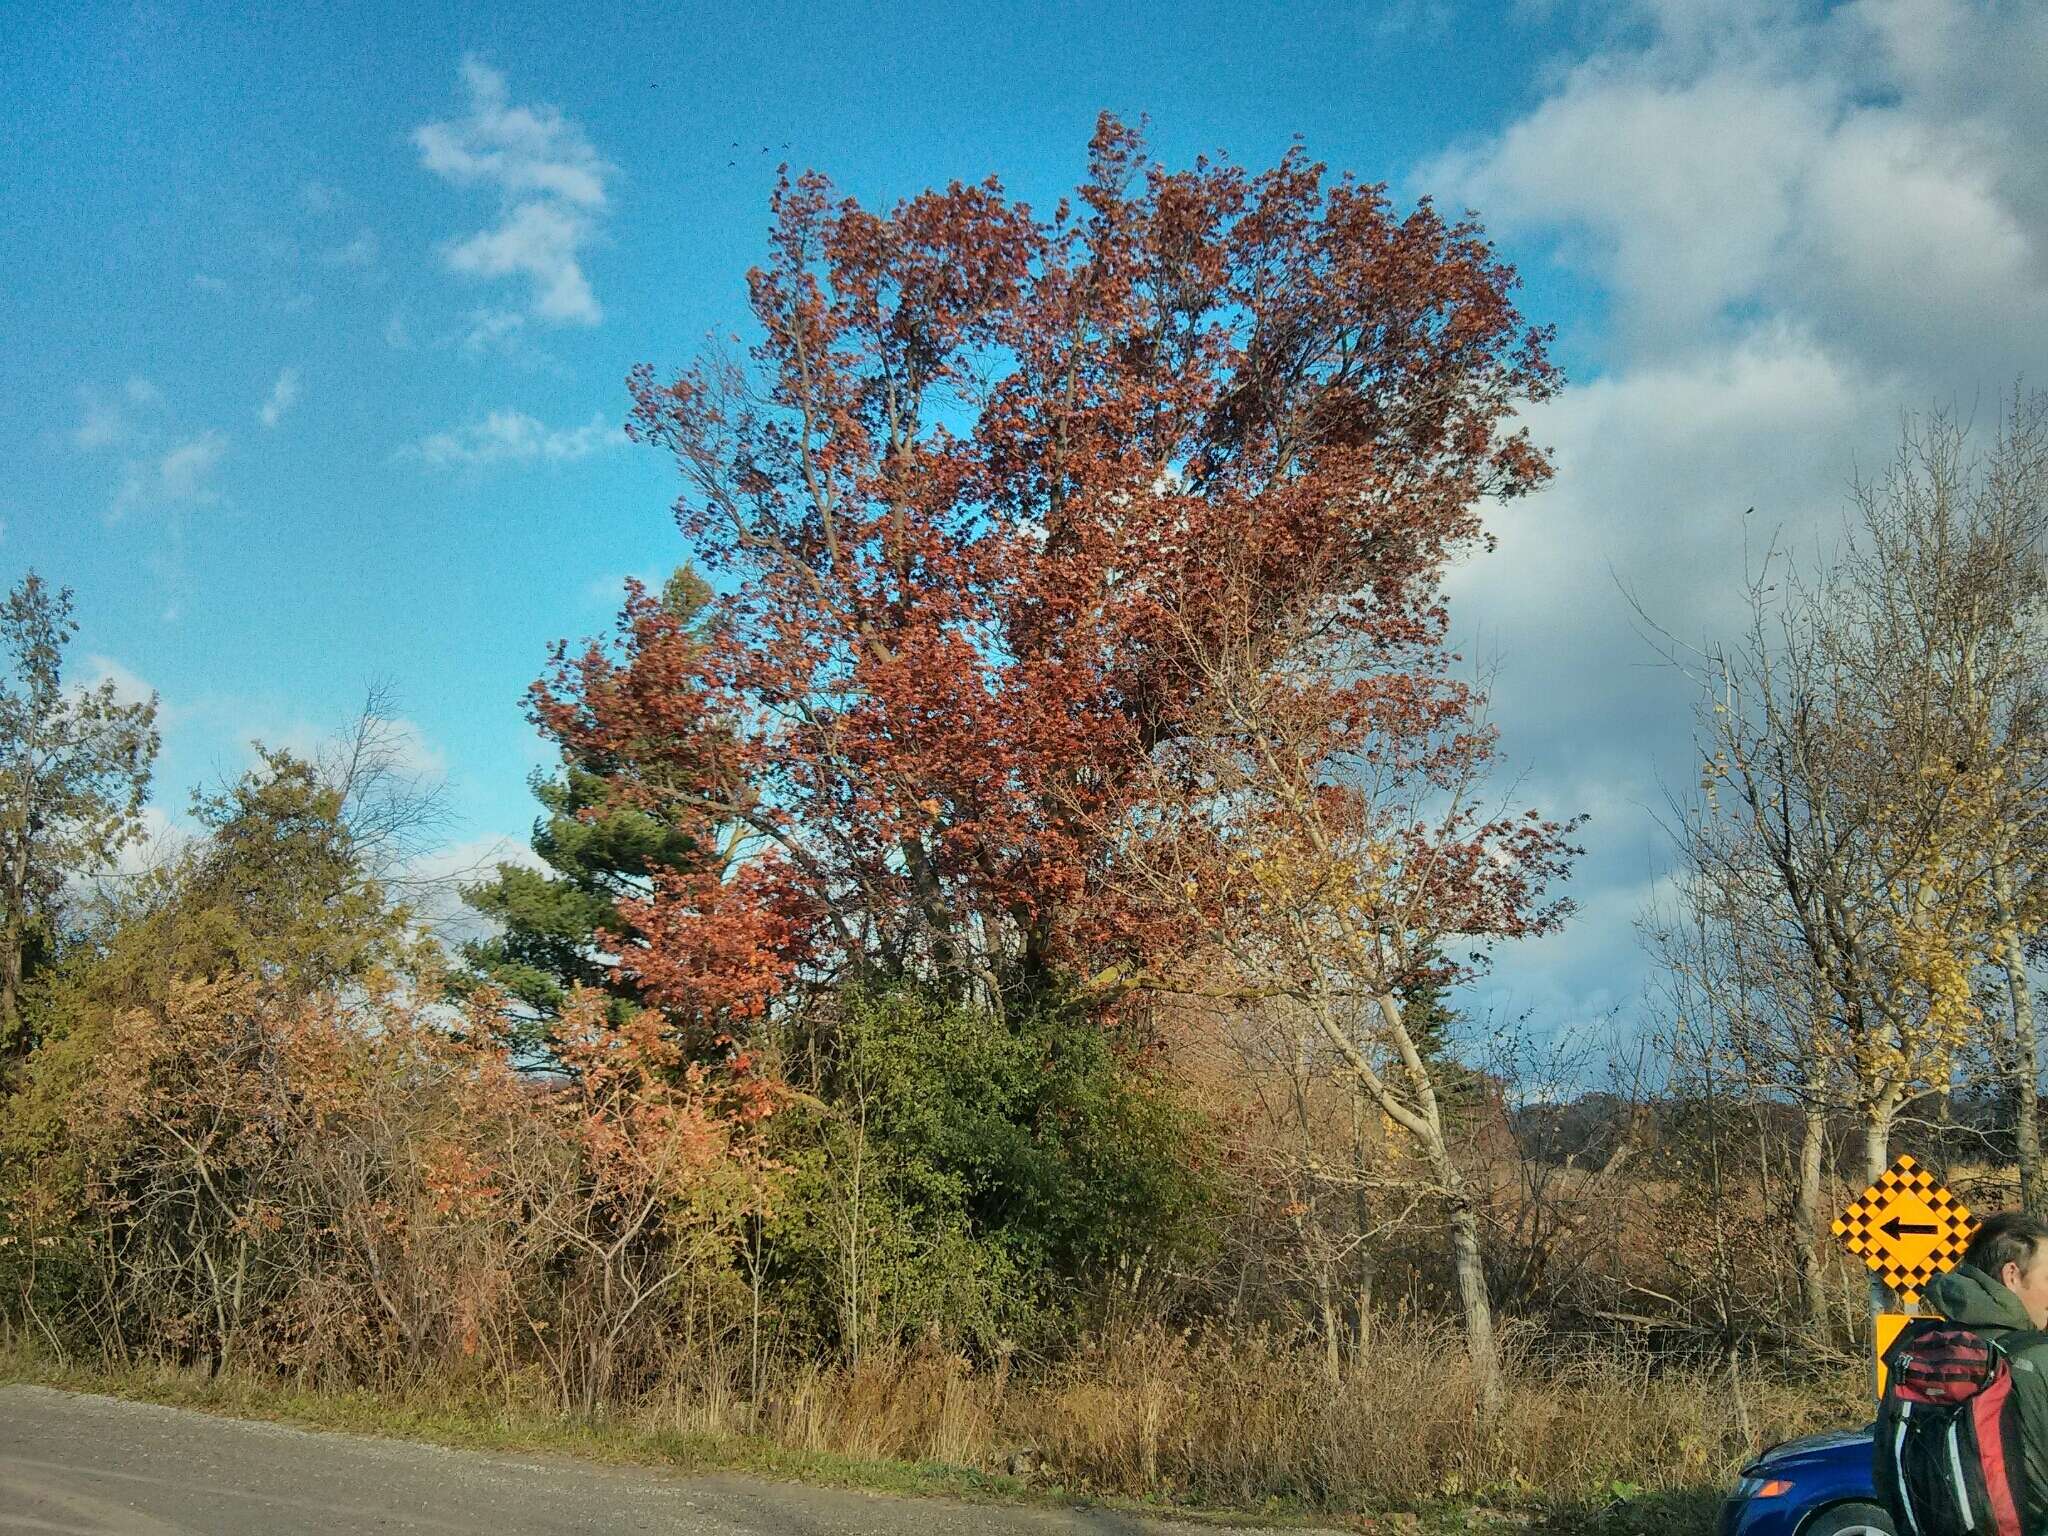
x,y
1877,1141
2026,1069
1742,1422
13,1042
1361,1215
1333,1329
1877,1137
13,940
1424,1122
1806,1218
1477,1306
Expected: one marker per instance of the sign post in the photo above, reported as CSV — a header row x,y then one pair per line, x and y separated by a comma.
x,y
1907,1229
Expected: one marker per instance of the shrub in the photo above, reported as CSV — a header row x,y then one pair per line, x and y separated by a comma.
x,y
988,1177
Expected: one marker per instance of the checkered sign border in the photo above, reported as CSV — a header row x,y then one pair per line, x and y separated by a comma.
x,y
1860,1228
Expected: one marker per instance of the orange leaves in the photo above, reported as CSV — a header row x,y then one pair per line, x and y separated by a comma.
x,y
457,1181
650,1120
715,952
985,493
369,1181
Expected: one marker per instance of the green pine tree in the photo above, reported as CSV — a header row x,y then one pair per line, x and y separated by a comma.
x,y
558,926
1431,1020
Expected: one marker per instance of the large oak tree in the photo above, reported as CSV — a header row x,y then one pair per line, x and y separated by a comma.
x,y
974,482
1010,512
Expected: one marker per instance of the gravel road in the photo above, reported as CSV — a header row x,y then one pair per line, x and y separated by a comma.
x,y
94,1466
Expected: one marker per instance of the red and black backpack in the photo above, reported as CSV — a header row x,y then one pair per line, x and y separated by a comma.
x,y
1947,1455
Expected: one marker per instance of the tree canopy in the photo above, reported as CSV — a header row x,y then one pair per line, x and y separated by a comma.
x,y
74,774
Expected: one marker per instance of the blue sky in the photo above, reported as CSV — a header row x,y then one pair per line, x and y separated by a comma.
x,y
316,328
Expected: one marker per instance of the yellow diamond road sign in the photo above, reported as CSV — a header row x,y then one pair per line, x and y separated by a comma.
x,y
1906,1227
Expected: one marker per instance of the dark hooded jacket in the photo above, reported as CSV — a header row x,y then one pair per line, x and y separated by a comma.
x,y
1982,1304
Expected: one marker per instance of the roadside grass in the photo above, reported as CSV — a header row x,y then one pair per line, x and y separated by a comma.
x,y
1217,1432
478,1426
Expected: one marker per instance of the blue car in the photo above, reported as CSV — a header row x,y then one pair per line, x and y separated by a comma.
x,y
1818,1486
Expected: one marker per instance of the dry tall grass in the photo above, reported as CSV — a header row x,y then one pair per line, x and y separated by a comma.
x,y
1207,1418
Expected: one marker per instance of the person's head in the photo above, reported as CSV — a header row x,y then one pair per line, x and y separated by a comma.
x,y
2012,1247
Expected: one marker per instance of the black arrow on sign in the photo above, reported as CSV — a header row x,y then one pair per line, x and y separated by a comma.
x,y
1899,1227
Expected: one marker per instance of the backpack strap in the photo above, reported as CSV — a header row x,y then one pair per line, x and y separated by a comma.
x,y
2008,1341
1918,1328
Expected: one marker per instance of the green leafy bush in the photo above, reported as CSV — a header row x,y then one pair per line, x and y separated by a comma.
x,y
977,1175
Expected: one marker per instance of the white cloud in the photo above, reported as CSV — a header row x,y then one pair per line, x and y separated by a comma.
x,y
284,394
432,884
513,437
612,589
319,197
105,422
128,688
1805,222
397,335
474,858
102,427
540,241
183,476
161,467
1655,466
412,753
206,282
185,472
359,252
1871,170
517,149
399,742
1679,197
550,183
1399,20
162,837
301,738
493,330
1658,469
